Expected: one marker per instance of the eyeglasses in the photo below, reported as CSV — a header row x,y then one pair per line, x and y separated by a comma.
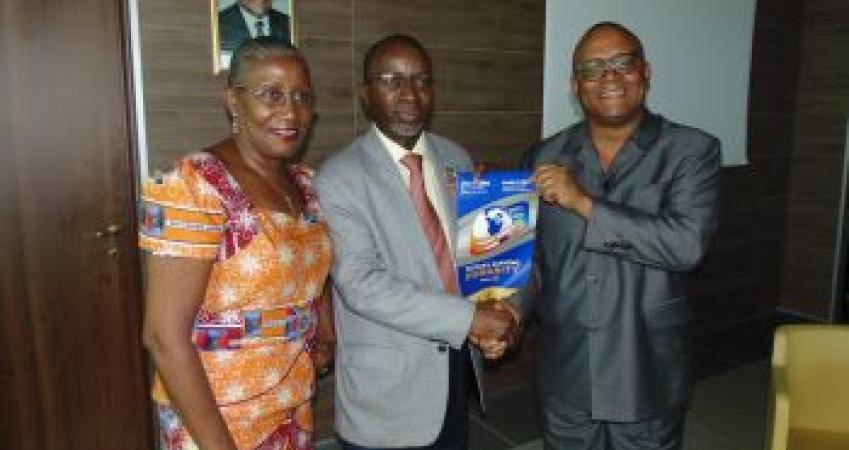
x,y
274,97
395,81
593,69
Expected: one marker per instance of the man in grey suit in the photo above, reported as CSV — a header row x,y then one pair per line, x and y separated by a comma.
x,y
630,206
402,361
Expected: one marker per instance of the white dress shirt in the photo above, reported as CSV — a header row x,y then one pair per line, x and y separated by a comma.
x,y
431,178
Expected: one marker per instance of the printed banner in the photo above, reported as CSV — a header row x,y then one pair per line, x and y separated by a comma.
x,y
497,215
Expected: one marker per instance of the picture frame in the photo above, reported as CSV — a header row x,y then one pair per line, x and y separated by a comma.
x,y
233,21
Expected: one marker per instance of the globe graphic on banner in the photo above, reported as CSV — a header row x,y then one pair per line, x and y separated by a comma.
x,y
490,228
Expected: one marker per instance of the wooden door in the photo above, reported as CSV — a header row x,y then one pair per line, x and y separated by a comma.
x,y
72,370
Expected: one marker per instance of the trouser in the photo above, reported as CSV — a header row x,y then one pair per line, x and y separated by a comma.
x,y
572,429
454,434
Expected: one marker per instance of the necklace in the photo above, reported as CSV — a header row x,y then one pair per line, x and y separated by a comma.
x,y
281,185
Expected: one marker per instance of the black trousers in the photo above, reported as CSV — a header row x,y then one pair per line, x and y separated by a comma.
x,y
454,434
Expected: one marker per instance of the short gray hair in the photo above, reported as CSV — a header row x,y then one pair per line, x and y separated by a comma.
x,y
260,49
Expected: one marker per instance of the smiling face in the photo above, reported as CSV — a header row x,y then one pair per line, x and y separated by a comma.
x,y
616,98
398,94
272,107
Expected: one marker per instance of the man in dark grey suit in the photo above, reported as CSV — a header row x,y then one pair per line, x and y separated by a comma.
x,y
402,356
251,18
630,206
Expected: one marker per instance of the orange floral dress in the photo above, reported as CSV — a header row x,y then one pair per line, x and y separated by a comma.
x,y
254,329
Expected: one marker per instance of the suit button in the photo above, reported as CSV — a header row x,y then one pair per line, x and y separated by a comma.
x,y
442,348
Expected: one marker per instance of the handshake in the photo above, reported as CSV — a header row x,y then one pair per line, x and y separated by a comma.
x,y
494,327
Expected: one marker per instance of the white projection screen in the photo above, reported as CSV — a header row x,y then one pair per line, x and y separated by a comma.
x,y
699,51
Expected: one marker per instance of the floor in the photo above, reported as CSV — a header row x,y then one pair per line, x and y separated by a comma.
x,y
728,411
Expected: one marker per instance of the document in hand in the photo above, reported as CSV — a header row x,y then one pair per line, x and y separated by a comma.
x,y
497,215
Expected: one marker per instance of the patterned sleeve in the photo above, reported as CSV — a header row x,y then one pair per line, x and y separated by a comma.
x,y
181,215
303,176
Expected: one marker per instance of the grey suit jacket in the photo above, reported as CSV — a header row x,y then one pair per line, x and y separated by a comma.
x,y
611,305
394,322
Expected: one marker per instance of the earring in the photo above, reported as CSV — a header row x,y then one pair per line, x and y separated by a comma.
x,y
235,124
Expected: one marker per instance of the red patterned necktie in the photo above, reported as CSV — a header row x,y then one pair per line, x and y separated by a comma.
x,y
430,223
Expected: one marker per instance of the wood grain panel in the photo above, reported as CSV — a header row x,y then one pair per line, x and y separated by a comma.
x,y
168,134
764,176
516,133
332,132
816,176
808,295
733,305
770,134
763,259
812,222
749,218
73,319
822,106
331,19
472,80
741,278
333,80
821,135
468,24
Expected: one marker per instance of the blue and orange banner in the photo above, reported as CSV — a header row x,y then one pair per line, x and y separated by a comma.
x,y
497,215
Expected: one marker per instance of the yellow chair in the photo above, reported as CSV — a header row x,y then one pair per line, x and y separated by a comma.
x,y
809,405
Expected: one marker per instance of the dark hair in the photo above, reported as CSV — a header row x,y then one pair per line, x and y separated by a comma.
x,y
611,26
258,49
375,49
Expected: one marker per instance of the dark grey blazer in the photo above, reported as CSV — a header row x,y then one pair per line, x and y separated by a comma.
x,y
232,29
612,311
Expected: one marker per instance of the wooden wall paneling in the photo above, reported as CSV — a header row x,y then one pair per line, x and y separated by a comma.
x,y
740,278
819,136
184,109
818,177
333,82
487,80
474,129
814,222
468,24
326,19
770,135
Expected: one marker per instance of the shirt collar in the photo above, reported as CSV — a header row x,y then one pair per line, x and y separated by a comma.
x,y
250,17
645,136
396,151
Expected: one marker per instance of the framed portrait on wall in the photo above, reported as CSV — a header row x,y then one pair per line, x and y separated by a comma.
x,y
233,21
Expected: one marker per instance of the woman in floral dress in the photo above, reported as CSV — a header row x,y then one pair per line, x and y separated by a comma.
x,y
237,312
